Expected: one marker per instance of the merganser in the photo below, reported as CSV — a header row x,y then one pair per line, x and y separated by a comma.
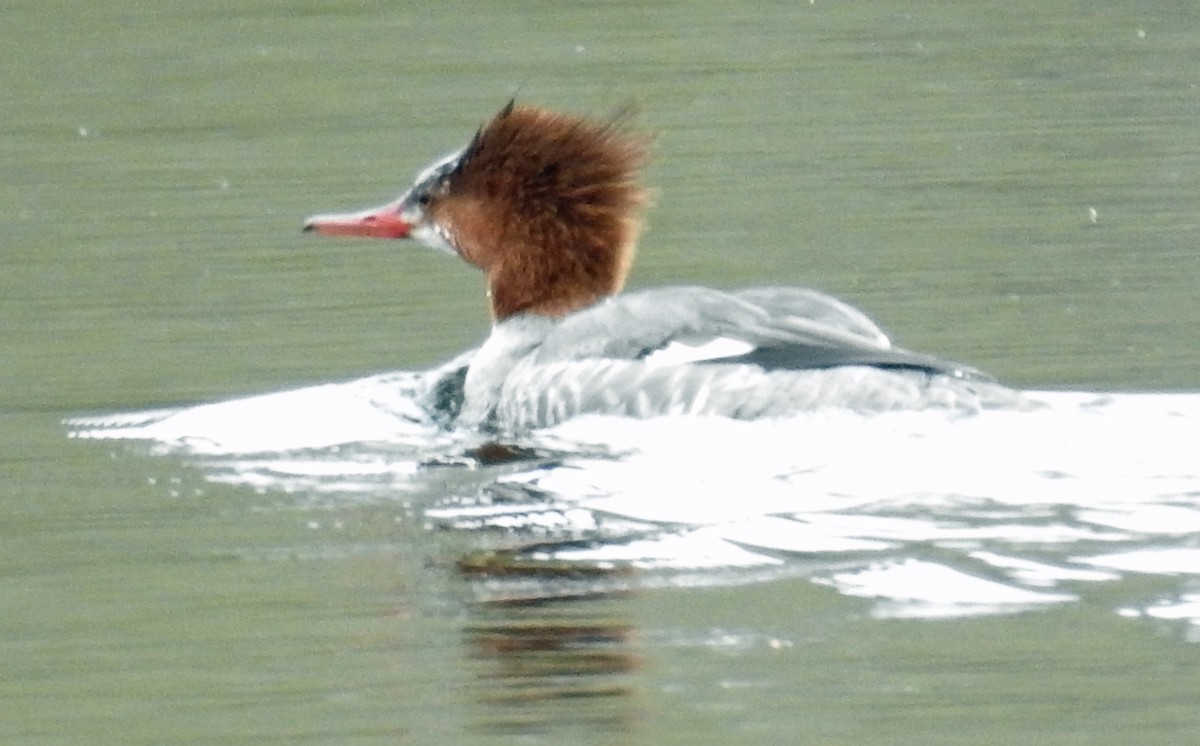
x,y
548,205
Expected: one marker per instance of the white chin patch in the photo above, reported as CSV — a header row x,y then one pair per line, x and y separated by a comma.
x,y
681,353
434,237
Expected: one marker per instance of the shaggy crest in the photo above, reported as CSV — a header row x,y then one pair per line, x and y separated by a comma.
x,y
548,205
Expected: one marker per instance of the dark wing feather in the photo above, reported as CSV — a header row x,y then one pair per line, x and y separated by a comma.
x,y
807,357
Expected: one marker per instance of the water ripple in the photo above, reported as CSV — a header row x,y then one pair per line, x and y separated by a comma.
x,y
927,514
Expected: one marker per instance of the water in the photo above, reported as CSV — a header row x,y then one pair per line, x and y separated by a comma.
x,y
932,513
937,166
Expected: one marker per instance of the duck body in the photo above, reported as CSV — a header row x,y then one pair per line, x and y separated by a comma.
x,y
547,206
754,353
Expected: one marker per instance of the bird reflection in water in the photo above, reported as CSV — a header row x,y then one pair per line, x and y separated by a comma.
x,y
553,650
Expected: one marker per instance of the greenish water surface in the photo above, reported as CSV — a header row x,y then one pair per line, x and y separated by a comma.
x,y
1017,186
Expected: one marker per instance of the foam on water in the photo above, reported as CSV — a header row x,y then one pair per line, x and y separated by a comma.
x,y
928,514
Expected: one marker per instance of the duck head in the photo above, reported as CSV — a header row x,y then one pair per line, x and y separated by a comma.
x,y
548,205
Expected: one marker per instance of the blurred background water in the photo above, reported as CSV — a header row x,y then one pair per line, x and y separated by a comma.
x,y
1014,186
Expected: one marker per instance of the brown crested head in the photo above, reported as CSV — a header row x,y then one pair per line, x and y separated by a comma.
x,y
548,205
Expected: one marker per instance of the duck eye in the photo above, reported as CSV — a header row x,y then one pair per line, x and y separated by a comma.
x,y
423,199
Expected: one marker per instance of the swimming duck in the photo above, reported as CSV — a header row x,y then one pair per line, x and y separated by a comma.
x,y
548,205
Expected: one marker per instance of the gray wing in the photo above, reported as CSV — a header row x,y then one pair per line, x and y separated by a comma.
x,y
772,328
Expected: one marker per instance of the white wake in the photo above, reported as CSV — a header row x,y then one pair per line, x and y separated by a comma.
x,y
927,513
